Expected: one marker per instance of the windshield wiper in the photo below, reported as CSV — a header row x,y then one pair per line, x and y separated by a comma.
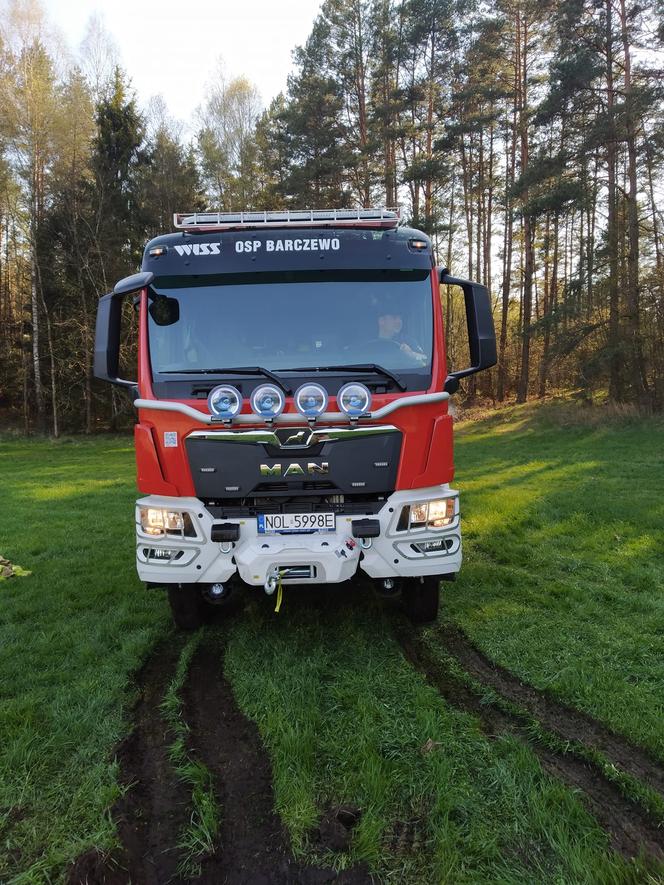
x,y
233,370
352,367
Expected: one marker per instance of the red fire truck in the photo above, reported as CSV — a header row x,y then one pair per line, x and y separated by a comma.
x,y
292,397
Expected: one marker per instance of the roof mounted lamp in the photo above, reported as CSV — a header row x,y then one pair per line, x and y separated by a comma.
x,y
199,222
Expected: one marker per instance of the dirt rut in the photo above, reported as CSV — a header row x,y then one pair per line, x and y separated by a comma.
x,y
154,808
567,723
252,846
631,831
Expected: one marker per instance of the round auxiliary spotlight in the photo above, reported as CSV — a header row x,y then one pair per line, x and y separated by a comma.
x,y
268,401
225,402
354,399
311,400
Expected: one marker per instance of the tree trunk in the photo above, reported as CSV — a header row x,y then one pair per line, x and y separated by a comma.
x,y
510,171
616,387
51,358
637,362
550,284
36,366
528,232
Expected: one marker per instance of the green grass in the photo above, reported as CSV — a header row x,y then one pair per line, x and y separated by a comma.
x,y
346,720
562,583
71,635
563,578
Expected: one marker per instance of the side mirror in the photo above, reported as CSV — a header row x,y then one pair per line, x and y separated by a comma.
x,y
134,283
451,384
107,331
481,332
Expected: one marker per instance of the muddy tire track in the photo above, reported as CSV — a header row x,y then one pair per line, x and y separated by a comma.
x,y
566,722
154,808
252,845
631,832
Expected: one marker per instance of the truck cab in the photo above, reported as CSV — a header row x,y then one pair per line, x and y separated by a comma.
x,y
292,396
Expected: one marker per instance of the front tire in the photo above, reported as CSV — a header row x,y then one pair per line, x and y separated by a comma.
x,y
420,598
186,605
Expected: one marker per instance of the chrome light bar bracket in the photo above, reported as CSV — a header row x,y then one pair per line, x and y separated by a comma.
x,y
417,399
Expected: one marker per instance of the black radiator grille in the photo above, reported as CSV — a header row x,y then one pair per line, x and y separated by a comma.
x,y
250,507
230,468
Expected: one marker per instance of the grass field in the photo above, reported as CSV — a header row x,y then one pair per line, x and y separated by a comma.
x,y
563,581
562,585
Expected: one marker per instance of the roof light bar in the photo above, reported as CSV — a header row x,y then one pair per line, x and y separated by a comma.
x,y
209,221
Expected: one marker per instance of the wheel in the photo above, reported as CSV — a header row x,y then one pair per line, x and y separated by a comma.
x,y
186,605
420,597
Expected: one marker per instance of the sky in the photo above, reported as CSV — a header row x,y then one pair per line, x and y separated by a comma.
x,y
172,49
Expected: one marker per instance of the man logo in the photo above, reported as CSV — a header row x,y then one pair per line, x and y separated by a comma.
x,y
299,440
199,249
295,469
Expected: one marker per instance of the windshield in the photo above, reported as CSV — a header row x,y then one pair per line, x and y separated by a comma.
x,y
292,321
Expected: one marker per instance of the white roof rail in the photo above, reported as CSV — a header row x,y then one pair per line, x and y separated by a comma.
x,y
211,221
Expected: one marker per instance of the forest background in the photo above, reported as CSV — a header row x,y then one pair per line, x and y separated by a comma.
x,y
524,137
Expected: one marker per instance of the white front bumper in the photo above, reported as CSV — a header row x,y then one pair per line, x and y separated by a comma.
x,y
330,557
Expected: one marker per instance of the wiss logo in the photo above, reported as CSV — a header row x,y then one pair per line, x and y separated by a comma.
x,y
199,249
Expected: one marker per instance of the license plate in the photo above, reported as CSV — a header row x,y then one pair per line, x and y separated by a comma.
x,y
296,522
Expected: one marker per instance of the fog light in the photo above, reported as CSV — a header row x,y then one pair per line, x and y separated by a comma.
x,y
354,399
311,400
225,402
267,401
162,554
440,545
165,556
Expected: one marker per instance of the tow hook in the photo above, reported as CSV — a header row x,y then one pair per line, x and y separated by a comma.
x,y
271,581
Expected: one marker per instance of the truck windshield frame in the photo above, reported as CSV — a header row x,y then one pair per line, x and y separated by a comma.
x,y
293,322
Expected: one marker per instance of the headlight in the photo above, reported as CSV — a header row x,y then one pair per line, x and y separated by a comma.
x,y
433,514
441,512
268,401
354,399
158,522
225,402
311,400
418,514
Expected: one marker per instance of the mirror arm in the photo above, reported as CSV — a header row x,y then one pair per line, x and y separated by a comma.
x,y
107,331
481,332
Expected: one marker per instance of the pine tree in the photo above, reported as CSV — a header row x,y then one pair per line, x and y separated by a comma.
x,y
316,152
170,181
118,161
